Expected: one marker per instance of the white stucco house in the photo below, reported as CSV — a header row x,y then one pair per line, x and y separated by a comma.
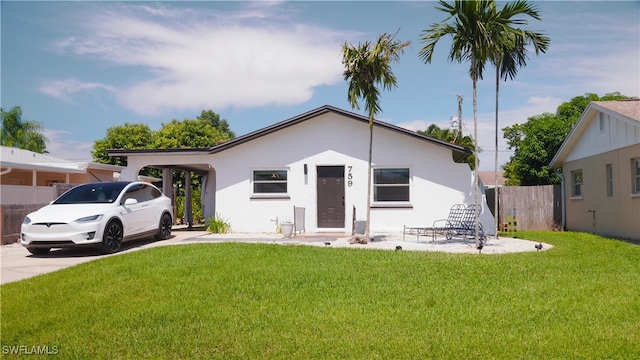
x,y
318,161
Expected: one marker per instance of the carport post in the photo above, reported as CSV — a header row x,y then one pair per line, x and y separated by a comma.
x,y
167,183
188,211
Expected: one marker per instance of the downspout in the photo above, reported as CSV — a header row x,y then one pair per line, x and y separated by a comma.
x,y
563,201
5,172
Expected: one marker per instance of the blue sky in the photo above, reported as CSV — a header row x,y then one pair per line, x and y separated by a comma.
x,y
82,67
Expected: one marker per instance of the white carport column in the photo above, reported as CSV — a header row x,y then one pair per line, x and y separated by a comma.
x,y
130,173
167,187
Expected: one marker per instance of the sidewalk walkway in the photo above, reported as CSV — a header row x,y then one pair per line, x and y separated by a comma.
x,y
382,241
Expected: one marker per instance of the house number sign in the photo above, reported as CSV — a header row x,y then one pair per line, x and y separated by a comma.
x,y
350,176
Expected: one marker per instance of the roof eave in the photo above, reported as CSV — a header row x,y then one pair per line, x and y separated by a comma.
x,y
459,152
39,167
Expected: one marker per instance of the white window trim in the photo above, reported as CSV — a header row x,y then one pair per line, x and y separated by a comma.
x,y
391,204
269,196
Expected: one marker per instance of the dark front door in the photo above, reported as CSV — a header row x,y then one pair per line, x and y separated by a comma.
x,y
330,196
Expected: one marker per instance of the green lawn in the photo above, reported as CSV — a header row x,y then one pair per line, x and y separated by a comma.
x,y
580,299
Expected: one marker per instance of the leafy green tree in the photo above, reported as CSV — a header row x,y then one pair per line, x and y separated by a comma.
x,y
512,54
536,142
452,136
572,110
475,28
208,130
21,134
127,136
367,66
221,124
187,133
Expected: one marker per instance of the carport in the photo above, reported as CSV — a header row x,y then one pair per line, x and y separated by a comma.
x,y
191,161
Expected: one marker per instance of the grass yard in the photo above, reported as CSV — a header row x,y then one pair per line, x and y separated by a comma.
x,y
580,299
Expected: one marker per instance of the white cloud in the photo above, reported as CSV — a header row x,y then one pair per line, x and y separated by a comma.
x,y
193,62
416,125
65,89
60,146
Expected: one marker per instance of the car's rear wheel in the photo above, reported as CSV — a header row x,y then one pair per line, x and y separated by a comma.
x,y
112,237
38,251
164,230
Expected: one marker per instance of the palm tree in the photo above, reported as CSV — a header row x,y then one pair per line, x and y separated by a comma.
x,y
513,55
452,136
472,26
366,66
25,135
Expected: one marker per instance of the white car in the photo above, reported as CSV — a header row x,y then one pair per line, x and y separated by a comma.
x,y
98,214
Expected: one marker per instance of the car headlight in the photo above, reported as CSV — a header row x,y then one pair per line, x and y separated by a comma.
x,y
26,220
89,218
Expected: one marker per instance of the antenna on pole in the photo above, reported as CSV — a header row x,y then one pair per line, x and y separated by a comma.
x,y
457,121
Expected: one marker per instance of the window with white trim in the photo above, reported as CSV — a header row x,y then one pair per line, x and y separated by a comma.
x,y
576,183
609,171
635,173
391,185
270,181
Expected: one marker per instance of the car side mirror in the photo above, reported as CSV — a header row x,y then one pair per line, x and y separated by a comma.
x,y
130,201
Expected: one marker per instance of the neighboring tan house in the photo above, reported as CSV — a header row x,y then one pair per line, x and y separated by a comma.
x,y
27,177
29,180
318,161
488,179
600,161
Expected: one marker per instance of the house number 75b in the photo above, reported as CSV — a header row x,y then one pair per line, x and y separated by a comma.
x,y
350,176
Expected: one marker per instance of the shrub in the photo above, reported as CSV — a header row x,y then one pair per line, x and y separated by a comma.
x,y
218,225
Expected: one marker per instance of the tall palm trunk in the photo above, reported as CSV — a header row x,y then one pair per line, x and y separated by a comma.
x,y
369,185
475,153
495,170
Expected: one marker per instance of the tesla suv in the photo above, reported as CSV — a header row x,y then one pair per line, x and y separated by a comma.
x,y
98,214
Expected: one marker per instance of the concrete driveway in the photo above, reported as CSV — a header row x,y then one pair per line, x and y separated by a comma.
x,y
18,263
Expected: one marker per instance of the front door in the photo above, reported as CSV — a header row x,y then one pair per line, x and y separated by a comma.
x,y
330,196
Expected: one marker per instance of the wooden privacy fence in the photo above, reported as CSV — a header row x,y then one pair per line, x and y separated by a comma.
x,y
528,207
12,215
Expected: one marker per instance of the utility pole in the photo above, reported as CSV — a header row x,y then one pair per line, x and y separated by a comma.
x,y
460,116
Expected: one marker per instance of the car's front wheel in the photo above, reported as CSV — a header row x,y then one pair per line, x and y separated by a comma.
x,y
164,230
38,251
112,237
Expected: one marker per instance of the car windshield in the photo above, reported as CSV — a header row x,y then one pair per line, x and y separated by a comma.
x,y
98,193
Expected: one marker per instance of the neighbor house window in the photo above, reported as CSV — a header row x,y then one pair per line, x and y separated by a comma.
x,y
609,171
635,171
391,184
576,183
270,181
